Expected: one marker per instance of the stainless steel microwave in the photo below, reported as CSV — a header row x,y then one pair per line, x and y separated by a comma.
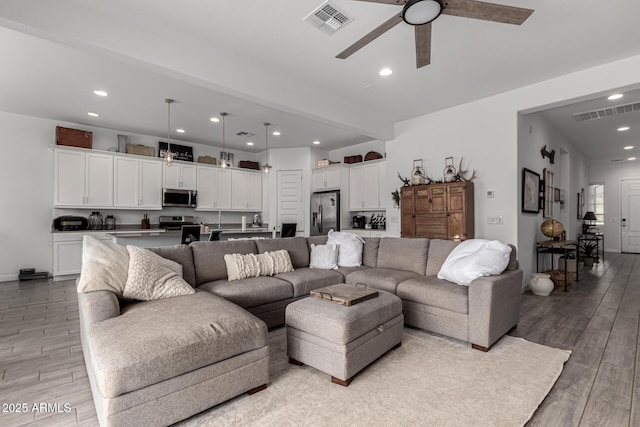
x,y
183,198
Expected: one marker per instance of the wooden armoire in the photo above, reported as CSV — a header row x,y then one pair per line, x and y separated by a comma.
x,y
437,211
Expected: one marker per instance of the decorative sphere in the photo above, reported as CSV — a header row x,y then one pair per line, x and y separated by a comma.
x,y
552,228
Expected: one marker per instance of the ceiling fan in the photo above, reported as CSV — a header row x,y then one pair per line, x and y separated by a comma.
x,y
420,14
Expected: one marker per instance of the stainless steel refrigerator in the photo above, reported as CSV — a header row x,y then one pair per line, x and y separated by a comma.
x,y
325,212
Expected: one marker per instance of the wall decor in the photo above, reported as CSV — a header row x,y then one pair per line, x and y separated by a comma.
x,y
556,195
460,175
550,154
418,175
547,209
449,172
530,191
580,199
181,152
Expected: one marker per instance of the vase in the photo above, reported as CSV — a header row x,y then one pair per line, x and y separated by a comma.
x,y
541,284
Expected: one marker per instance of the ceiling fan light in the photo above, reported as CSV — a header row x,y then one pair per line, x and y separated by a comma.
x,y
420,12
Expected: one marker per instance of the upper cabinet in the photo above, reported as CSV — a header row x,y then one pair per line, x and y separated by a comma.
x,y
179,176
367,186
82,179
137,183
327,178
246,190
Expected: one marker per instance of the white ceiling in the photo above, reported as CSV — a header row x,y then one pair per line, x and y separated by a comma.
x,y
260,62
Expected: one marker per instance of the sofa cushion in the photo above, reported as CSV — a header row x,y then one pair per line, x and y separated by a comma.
x,y
208,257
513,259
182,255
296,246
252,291
403,254
370,251
304,280
316,240
439,250
430,290
153,277
385,279
167,338
345,271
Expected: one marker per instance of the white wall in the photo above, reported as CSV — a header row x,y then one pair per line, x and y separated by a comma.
x,y
610,175
485,132
26,174
534,132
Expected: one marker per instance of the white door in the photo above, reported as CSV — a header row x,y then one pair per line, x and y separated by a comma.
x,y
630,215
125,182
238,190
150,188
99,180
334,178
371,194
171,176
222,189
356,199
68,178
318,180
254,191
289,202
206,192
188,177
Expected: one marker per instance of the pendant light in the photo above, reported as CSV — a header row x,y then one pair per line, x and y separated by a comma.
x,y
224,163
168,155
267,167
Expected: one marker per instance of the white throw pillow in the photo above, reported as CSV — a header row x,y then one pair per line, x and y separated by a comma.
x,y
241,266
475,258
350,248
324,256
153,277
104,266
281,261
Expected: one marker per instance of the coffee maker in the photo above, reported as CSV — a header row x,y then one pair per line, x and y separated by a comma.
x,y
257,220
358,221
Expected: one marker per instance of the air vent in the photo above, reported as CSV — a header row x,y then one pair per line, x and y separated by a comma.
x,y
328,18
617,160
606,112
243,133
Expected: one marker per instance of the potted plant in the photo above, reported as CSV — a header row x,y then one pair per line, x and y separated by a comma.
x,y
588,252
396,198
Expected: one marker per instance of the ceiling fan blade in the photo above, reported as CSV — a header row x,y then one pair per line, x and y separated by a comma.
x,y
396,2
423,45
487,11
377,32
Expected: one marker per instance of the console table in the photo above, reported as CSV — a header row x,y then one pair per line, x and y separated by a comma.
x,y
593,237
557,247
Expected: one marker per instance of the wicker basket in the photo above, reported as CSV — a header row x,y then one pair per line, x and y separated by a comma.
x,y
557,277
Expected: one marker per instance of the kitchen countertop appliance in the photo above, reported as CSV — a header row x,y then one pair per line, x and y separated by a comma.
x,y
325,212
70,223
257,221
176,222
358,221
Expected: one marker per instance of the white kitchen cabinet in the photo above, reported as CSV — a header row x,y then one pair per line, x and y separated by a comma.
x,y
246,191
82,178
206,188
327,178
383,194
67,252
221,189
365,182
137,183
179,176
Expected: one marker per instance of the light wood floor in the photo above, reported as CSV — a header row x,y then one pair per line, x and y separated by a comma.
x,y
41,358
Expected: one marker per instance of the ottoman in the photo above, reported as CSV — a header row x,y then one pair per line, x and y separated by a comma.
x,y
341,340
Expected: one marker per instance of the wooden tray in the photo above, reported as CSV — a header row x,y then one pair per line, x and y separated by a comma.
x,y
342,294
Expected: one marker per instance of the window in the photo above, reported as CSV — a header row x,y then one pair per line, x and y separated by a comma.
x,y
595,201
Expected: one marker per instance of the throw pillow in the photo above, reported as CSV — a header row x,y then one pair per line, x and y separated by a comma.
x,y
281,261
104,266
475,258
351,245
152,277
324,256
241,266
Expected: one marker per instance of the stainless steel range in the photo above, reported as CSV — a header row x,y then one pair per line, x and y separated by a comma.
x,y
176,222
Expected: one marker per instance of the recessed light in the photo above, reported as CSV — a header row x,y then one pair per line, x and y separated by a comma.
x,y
249,143
316,142
629,147
100,92
631,158
93,114
276,133
180,130
623,128
615,96
386,72
214,119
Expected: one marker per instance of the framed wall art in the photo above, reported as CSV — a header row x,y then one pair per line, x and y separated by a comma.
x,y
547,208
530,191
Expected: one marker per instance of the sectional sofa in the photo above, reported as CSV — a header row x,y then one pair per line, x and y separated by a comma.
x,y
156,362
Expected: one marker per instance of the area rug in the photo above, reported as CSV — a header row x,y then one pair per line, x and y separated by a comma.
x,y
430,380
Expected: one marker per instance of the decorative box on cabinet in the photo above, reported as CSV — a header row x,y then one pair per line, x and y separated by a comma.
x,y
437,211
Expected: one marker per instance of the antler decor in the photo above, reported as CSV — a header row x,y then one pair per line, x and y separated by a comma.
x,y
404,180
461,173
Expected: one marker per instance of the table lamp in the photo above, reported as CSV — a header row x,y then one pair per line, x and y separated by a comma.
x,y
588,219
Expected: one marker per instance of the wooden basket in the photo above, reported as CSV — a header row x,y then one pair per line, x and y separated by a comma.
x,y
141,150
73,137
557,277
208,160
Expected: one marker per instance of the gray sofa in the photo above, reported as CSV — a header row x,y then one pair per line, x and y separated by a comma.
x,y
156,362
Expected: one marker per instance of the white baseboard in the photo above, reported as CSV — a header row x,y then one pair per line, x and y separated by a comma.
x,y
8,277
